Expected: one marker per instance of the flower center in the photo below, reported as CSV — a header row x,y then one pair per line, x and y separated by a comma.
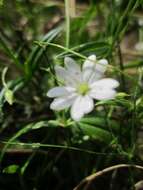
x,y
83,88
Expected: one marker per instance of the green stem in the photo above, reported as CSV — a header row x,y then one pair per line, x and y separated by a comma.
x,y
67,15
10,52
128,11
122,68
65,147
45,44
51,67
3,77
141,34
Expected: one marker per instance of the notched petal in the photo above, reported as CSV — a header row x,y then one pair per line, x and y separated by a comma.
x,y
101,66
62,103
104,94
105,83
76,111
89,62
57,91
81,106
61,73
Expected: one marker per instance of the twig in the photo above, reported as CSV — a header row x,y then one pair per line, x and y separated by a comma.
x,y
88,180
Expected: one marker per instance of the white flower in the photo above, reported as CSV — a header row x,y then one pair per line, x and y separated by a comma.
x,y
82,86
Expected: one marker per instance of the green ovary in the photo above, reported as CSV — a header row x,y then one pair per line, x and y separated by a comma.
x,y
83,88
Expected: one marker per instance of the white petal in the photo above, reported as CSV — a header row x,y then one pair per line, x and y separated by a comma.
x,y
71,64
66,76
91,75
87,73
59,91
89,68
73,68
89,62
105,83
81,106
61,73
93,69
104,94
94,77
62,103
76,111
87,104
101,66
97,71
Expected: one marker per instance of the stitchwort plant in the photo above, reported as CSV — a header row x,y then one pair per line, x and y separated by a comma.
x,y
71,94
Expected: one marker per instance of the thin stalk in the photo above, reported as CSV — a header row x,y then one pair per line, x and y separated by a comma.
x,y
3,77
67,15
10,52
45,44
141,34
128,11
72,8
121,68
65,147
89,179
134,116
51,67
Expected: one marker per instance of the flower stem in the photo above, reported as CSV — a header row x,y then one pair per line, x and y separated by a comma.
x,y
67,15
51,67
121,68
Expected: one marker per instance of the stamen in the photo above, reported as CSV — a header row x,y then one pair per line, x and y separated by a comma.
x,y
83,88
